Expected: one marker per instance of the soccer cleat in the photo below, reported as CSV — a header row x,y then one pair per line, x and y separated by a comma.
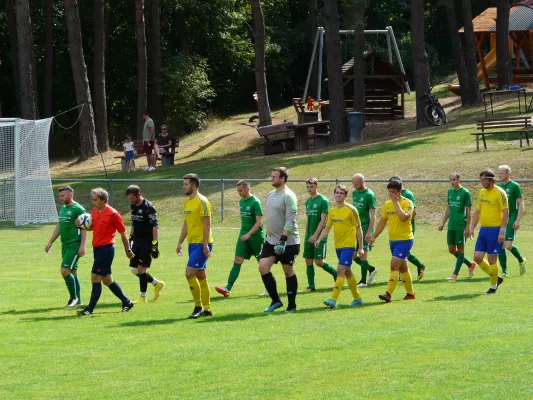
x,y
471,269
385,297
290,310
357,302
196,313
141,300
504,272
453,277
362,284
264,294
158,287
206,313
491,291
330,303
409,296
72,303
500,281
273,306
421,273
223,291
127,307
522,266
309,290
146,169
371,276
85,311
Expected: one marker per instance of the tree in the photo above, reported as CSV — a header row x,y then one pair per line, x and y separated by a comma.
x,y
48,57
142,66
355,18
100,100
12,26
503,62
260,64
337,106
420,60
157,63
474,95
178,16
313,27
81,81
27,73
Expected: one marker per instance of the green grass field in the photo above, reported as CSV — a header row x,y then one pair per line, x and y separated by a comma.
x,y
452,342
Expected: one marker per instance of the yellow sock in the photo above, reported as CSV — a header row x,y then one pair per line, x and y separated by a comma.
x,y
393,281
485,266
337,288
494,274
194,285
206,295
407,282
352,284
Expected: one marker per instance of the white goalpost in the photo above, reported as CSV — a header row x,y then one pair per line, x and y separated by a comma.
x,y
26,194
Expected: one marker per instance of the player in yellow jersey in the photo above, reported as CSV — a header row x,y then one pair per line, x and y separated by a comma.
x,y
397,212
346,224
197,229
492,212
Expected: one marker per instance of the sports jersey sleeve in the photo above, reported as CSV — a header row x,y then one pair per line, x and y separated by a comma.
x,y
258,208
468,199
152,216
373,203
384,212
504,202
206,208
518,192
478,206
329,223
325,207
291,206
118,222
355,216
408,207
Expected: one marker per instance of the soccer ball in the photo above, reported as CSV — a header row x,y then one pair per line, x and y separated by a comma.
x,y
86,221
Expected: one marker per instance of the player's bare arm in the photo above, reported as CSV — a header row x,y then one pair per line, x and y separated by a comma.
x,y
255,228
206,221
55,235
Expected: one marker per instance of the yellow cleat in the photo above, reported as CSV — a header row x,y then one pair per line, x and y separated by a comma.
x,y
141,300
158,287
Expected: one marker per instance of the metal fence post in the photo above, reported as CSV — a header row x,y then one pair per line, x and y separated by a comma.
x,y
222,198
111,191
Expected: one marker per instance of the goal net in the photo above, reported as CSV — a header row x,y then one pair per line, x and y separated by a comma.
x,y
26,194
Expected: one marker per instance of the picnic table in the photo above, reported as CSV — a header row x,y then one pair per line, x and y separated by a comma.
x,y
492,95
288,136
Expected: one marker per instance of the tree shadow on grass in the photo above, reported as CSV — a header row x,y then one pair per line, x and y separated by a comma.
x,y
44,310
465,296
56,318
134,324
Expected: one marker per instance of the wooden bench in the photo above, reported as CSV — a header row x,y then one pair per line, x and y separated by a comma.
x,y
278,138
502,126
288,136
303,115
320,135
166,159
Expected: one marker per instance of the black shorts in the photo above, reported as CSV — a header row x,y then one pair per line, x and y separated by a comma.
x,y
142,249
103,258
287,258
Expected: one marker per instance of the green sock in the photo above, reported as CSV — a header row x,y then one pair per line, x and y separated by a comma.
x,y
502,257
357,260
413,260
364,270
78,288
233,275
515,252
460,259
466,261
310,276
330,270
71,286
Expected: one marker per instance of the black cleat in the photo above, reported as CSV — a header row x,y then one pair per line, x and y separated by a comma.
x,y
206,313
290,310
491,291
72,303
127,307
85,311
196,313
500,281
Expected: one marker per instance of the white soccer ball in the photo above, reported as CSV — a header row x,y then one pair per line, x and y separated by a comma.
x,y
86,221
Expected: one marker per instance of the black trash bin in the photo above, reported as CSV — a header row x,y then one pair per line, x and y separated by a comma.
x,y
355,126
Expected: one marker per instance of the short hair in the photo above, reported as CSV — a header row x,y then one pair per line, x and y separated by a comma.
x,y
505,167
341,187
134,190
66,189
456,174
101,193
193,178
127,137
244,183
394,184
395,178
312,181
360,176
487,173
283,172
145,112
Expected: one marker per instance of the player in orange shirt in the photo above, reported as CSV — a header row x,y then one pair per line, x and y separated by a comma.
x,y
106,222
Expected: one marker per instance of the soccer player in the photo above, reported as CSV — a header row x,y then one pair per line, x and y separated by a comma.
x,y
197,229
144,240
411,257
493,212
344,219
397,212
516,209
316,209
282,241
106,221
364,200
459,214
251,235
73,241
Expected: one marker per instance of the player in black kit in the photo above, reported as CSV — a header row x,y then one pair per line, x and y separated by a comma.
x,y
144,237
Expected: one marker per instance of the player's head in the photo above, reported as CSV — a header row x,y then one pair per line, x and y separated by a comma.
x,y
66,193
394,186
311,185
279,176
455,179
164,129
191,183
358,181
340,193
146,115
134,194
487,178
99,197
504,173
243,188
127,137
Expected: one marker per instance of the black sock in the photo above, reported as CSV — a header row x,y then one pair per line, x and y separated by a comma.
x,y
271,287
143,282
149,278
371,268
95,295
117,291
292,289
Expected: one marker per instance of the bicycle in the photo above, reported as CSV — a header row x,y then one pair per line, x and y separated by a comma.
x,y
434,111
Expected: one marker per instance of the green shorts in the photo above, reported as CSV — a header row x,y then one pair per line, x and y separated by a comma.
x,y
456,237
366,246
313,253
70,255
252,247
510,234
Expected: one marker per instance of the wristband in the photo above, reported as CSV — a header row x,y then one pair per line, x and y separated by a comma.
x,y
503,231
283,238
128,251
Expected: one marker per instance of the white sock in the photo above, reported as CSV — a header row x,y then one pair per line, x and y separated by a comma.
x,y
154,282
494,286
143,294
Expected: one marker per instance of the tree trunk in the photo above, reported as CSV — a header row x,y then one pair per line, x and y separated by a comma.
x,y
48,57
141,66
178,17
470,55
457,51
157,64
503,61
100,103
81,81
420,60
27,74
359,57
12,24
313,27
337,106
260,64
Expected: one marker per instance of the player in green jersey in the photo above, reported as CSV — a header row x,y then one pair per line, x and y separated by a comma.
x,y
364,200
316,209
516,209
73,241
459,215
251,235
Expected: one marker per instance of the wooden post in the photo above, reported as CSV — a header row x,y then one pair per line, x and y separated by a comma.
x,y
479,42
